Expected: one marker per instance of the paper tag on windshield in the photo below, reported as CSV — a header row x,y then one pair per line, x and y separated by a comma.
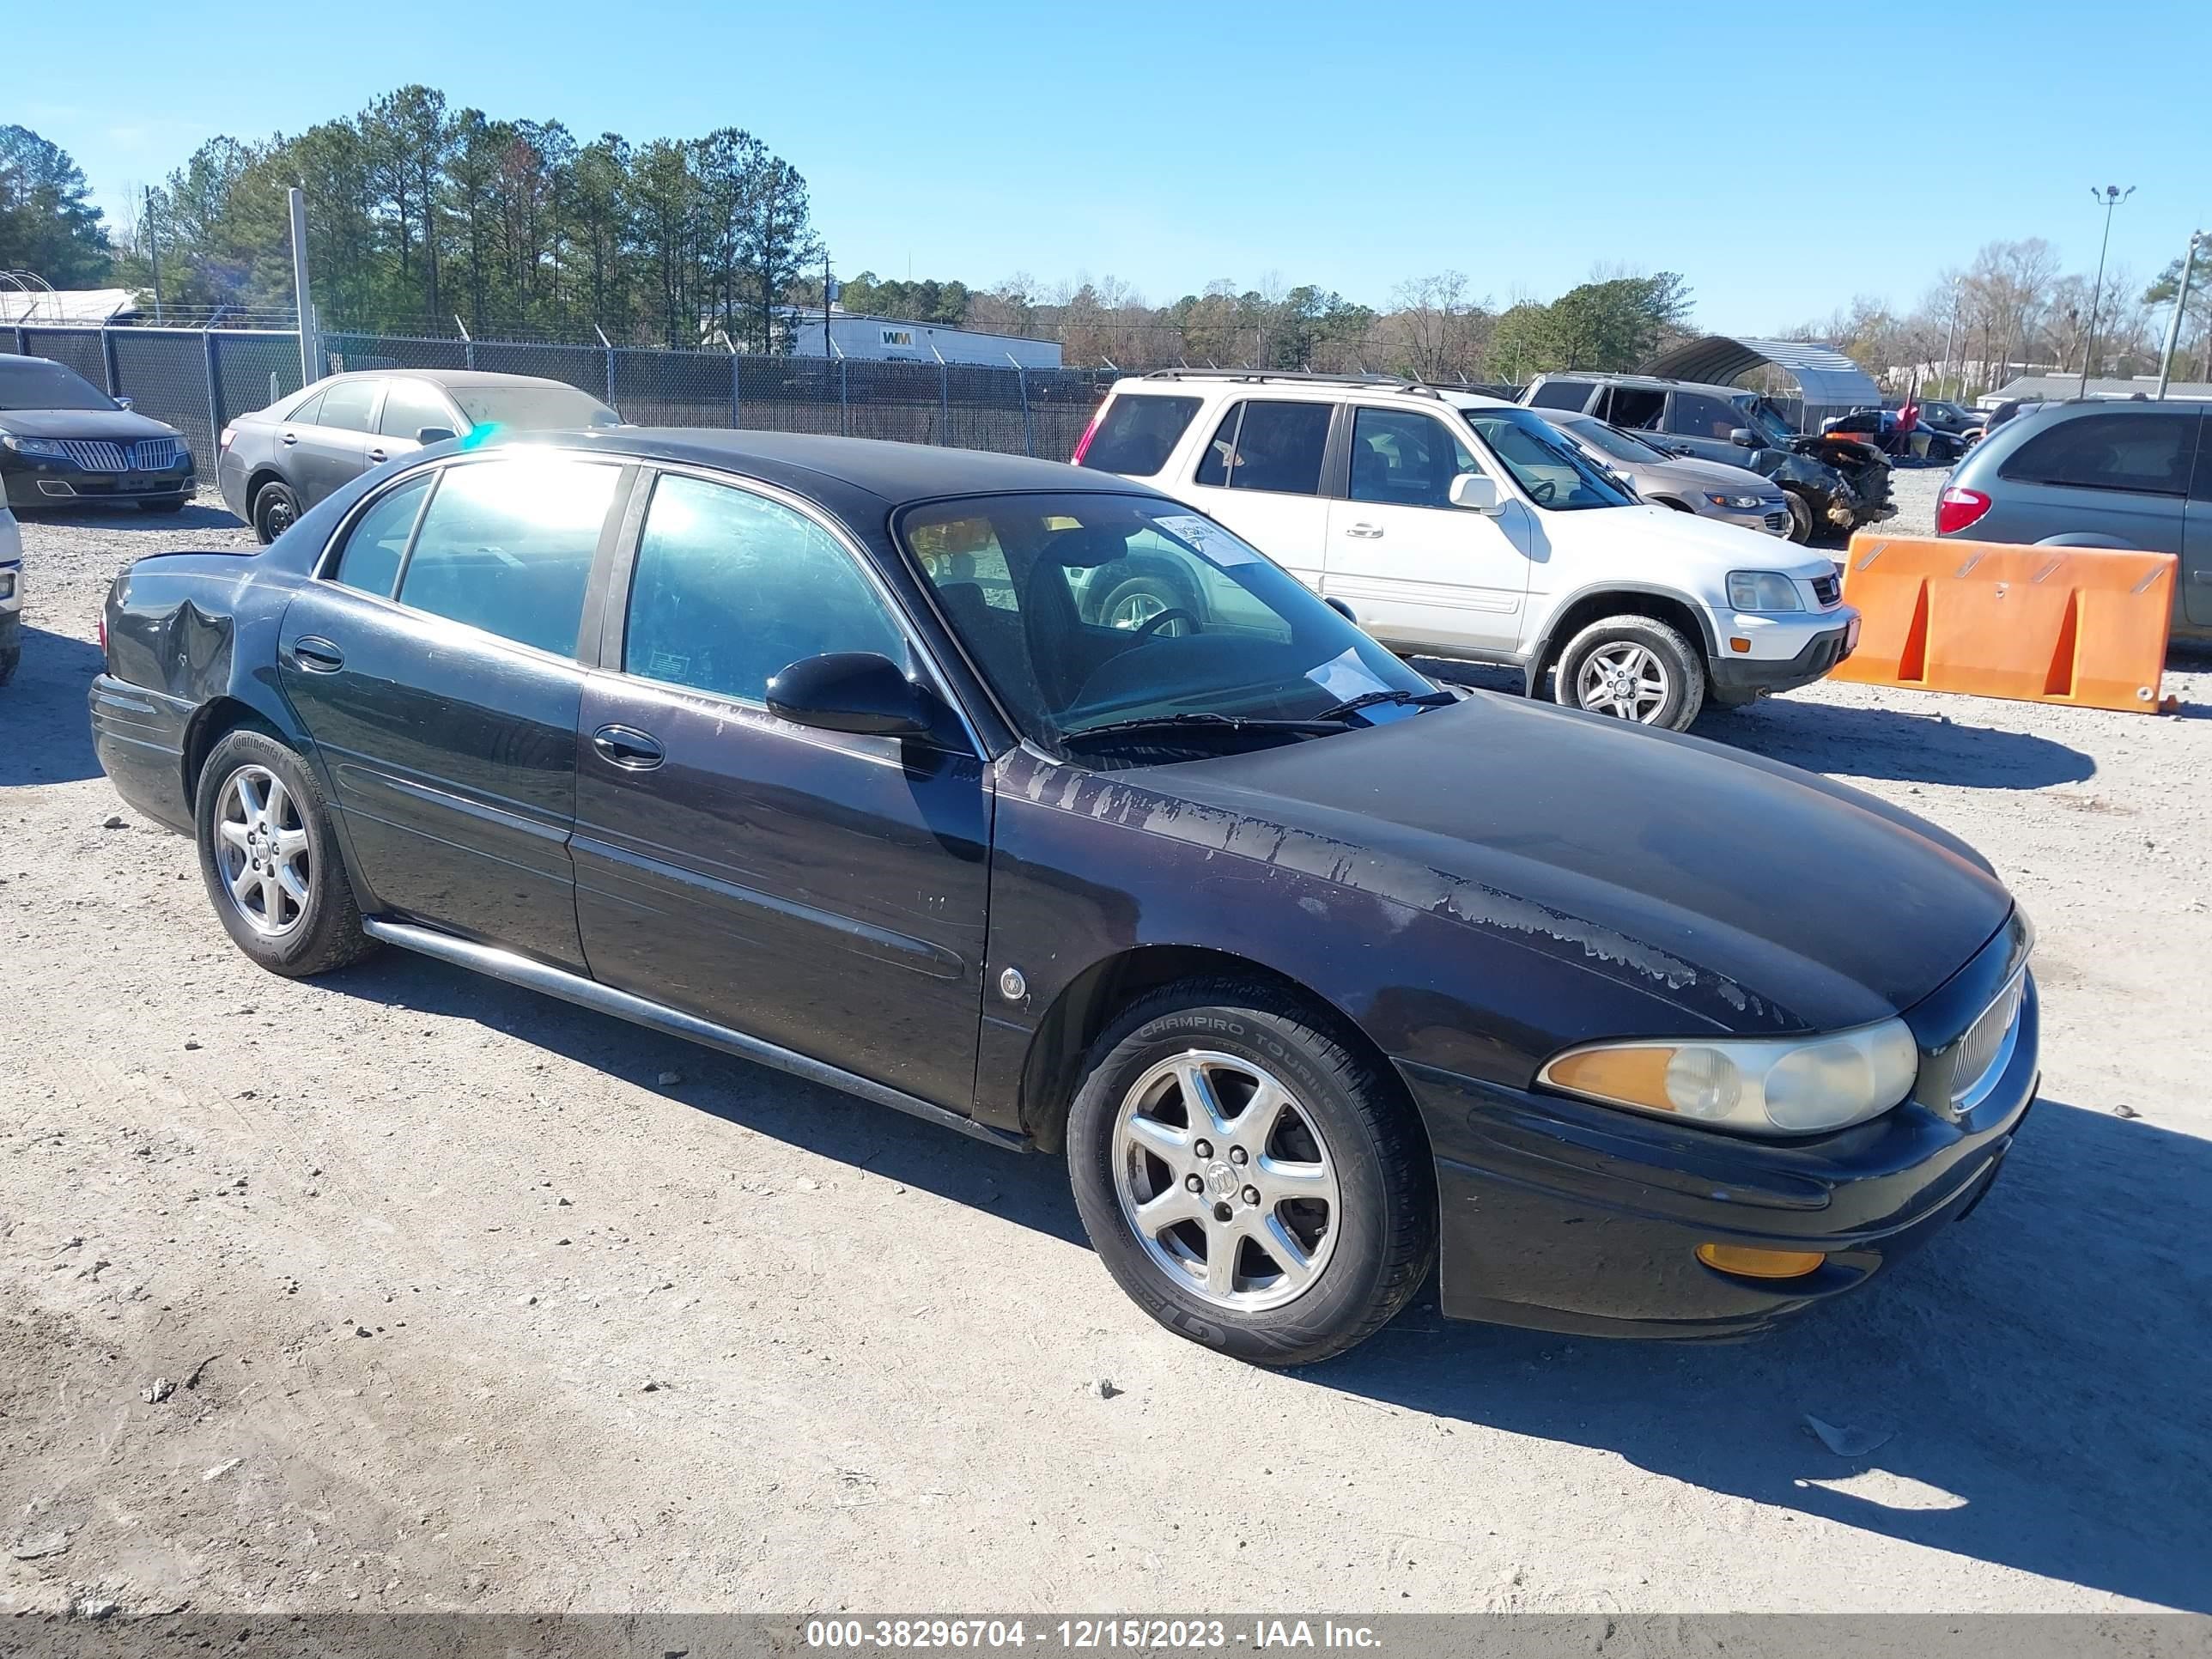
x,y
1346,677
1208,537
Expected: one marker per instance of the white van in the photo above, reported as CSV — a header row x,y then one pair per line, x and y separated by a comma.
x,y
1456,526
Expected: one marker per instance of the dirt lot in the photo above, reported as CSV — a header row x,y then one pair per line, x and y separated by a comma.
x,y
401,1289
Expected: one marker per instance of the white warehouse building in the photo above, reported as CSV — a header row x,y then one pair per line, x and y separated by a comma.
x,y
896,340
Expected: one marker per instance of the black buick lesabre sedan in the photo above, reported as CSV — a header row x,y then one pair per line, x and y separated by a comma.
x,y
811,749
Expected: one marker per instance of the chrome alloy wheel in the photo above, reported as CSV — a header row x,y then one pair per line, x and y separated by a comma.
x,y
1137,609
1226,1181
261,851
1623,679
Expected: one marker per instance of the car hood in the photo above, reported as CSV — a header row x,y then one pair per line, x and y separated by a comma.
x,y
1685,540
119,425
1753,896
1695,474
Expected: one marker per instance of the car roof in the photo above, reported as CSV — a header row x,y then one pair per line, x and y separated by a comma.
x,y
449,377
839,473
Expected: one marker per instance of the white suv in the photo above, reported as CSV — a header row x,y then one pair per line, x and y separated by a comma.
x,y
1456,526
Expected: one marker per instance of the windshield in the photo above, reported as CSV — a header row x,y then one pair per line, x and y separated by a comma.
x,y
30,383
1621,446
1085,610
1763,418
531,408
1555,473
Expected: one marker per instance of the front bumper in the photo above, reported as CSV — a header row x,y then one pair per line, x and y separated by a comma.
x,y
36,481
1740,676
1563,1215
1769,518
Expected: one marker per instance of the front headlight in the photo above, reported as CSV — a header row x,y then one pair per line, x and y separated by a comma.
x,y
48,446
1761,1085
1741,503
1762,590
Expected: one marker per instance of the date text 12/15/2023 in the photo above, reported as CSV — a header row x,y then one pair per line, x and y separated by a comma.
x,y
1057,1635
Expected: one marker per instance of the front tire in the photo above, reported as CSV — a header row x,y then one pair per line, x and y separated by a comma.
x,y
276,510
1632,668
269,856
1252,1182
1802,523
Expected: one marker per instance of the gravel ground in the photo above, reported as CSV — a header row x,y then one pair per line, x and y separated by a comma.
x,y
404,1290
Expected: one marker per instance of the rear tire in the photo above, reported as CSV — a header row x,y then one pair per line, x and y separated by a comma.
x,y
1632,668
276,510
269,856
1345,1230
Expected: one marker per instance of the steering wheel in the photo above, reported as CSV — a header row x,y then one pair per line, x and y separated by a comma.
x,y
1153,624
1543,489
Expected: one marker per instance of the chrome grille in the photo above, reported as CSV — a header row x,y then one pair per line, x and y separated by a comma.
x,y
100,455
94,454
1988,1044
1777,523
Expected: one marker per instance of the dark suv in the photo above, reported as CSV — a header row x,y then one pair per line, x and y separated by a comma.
x,y
1834,484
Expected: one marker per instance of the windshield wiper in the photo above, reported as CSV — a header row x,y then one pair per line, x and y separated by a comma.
x,y
1317,728
1350,706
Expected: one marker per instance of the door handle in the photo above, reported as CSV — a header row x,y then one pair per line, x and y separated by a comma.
x,y
1367,532
290,438
629,747
377,455
316,655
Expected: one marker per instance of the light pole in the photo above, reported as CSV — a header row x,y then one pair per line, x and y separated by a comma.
x,y
2196,238
2111,195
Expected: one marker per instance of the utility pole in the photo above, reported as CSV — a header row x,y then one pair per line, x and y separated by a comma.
x,y
311,347
826,291
154,245
1951,332
2111,195
2196,238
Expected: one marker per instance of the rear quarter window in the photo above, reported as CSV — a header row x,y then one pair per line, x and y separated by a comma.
x,y
1561,394
1138,432
2146,454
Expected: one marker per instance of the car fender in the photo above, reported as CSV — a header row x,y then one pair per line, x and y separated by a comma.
x,y
1539,654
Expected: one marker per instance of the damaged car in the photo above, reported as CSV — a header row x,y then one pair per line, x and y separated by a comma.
x,y
802,748
1833,484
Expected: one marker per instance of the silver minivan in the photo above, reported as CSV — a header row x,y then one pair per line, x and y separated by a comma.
x,y
2098,474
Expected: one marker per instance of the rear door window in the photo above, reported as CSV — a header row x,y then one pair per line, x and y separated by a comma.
x,y
1137,434
370,558
1635,406
350,406
2146,454
1269,444
507,546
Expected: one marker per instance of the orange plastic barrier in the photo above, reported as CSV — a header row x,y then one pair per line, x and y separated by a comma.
x,y
2083,625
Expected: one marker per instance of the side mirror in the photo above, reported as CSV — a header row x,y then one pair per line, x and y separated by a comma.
x,y
856,692
1342,609
1743,438
434,435
1476,493
126,403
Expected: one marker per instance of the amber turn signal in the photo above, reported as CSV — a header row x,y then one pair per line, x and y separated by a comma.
x,y
1759,1264
1737,642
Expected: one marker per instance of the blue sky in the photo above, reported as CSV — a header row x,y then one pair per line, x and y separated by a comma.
x,y
1348,145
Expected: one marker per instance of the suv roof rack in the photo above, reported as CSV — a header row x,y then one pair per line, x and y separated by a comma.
x,y
1298,377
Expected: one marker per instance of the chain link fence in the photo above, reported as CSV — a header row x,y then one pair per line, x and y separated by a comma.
x,y
198,379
